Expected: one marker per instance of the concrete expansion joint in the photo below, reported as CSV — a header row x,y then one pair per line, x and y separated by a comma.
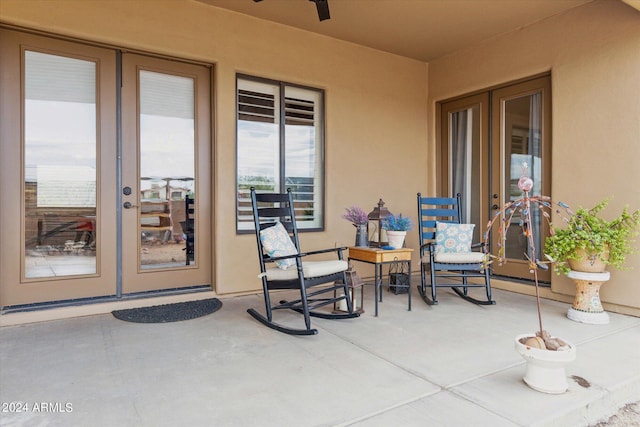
x,y
607,333
386,409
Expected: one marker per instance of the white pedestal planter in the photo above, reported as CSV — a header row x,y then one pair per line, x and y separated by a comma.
x,y
545,368
587,307
396,238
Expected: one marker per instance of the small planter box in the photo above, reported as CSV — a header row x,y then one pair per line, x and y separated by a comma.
x,y
399,280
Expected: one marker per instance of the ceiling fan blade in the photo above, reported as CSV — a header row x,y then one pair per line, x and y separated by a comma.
x,y
323,9
321,5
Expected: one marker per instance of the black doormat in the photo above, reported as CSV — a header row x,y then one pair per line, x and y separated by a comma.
x,y
169,312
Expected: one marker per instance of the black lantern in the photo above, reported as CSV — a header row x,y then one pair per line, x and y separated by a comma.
x,y
353,283
377,235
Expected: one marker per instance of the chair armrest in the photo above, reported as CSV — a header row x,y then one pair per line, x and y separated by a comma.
x,y
278,258
428,246
479,245
304,254
323,251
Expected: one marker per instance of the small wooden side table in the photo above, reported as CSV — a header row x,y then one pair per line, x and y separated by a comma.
x,y
380,257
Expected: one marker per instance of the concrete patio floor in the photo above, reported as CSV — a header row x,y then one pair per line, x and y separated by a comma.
x,y
448,365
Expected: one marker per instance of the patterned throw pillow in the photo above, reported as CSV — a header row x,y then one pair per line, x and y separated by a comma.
x,y
453,237
276,242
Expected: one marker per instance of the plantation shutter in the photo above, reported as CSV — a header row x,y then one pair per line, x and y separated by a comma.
x,y
276,153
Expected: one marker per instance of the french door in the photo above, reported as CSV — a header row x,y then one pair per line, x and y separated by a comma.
x,y
100,153
487,140
165,161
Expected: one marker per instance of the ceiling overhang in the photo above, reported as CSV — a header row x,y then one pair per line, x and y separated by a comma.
x,y
419,29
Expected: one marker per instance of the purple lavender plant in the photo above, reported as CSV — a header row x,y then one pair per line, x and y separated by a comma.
x,y
356,216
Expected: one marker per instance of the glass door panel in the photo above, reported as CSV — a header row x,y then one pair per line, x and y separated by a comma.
x,y
524,156
464,142
60,147
466,147
167,169
522,139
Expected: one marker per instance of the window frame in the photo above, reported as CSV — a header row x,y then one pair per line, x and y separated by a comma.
x,y
319,195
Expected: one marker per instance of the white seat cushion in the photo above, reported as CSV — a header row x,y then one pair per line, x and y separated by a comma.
x,y
459,257
309,268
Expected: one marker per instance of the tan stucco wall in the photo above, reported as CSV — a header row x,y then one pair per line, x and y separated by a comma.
x,y
376,109
380,139
593,53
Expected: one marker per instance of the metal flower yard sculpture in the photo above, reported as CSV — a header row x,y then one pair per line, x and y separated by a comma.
x,y
523,208
544,369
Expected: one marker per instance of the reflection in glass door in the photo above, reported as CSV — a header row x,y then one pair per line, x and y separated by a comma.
x,y
167,169
466,151
59,166
522,138
524,156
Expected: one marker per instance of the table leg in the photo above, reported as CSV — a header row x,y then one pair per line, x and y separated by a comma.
x,y
381,281
377,286
409,288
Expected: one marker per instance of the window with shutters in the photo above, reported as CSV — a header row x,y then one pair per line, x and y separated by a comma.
x,y
280,130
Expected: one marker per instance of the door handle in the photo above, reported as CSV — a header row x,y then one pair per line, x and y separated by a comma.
x,y
495,207
128,205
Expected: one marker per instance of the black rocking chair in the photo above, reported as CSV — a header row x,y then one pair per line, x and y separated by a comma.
x,y
188,229
435,214
277,239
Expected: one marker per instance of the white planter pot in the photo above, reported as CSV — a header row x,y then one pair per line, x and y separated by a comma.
x,y
545,368
396,238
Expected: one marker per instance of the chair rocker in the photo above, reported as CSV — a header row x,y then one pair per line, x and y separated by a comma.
x,y
188,229
278,245
446,252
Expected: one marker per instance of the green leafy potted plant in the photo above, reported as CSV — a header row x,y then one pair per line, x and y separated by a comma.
x,y
397,227
583,250
592,239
